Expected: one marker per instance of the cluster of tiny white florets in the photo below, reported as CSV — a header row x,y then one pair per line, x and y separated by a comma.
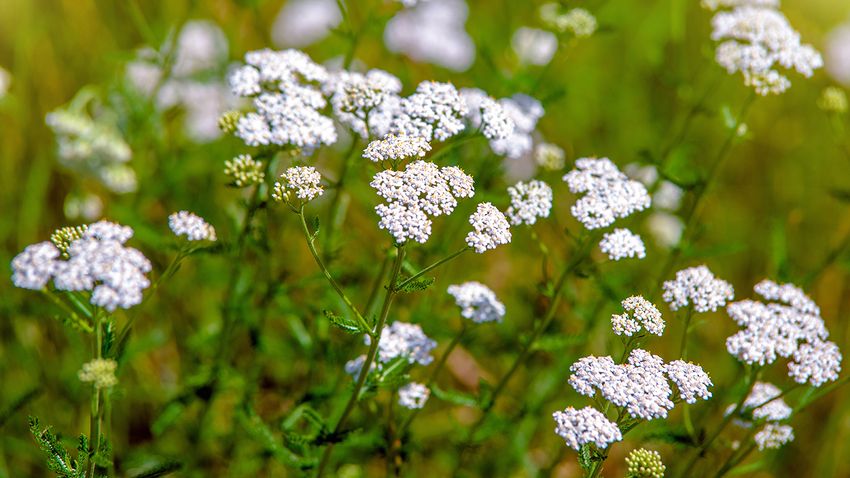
x,y
549,156
622,243
773,435
477,302
304,181
244,170
413,395
97,262
487,114
585,426
699,288
194,227
764,404
524,111
789,327
640,385
578,21
354,96
641,314
405,340
435,112
396,148
422,190
490,228
286,99
99,372
529,200
608,193
756,39
717,4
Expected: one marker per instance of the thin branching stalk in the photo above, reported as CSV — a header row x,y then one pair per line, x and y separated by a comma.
x,y
432,266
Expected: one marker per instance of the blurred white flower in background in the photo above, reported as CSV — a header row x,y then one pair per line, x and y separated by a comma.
x,y
303,22
5,81
433,32
837,53
533,46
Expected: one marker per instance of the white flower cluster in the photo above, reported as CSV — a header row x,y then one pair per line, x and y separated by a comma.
x,y
304,181
433,32
622,243
529,200
194,227
286,99
354,96
487,114
608,193
405,340
789,327
97,262
640,385
435,112
773,436
718,4
244,170
477,302
423,189
525,112
549,156
490,228
396,148
413,395
578,21
755,40
99,372
534,46
764,404
699,288
641,314
584,426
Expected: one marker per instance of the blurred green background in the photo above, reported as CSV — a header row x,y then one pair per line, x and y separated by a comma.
x,y
779,209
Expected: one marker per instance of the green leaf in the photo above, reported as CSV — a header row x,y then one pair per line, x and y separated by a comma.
x,y
315,223
417,285
260,432
58,460
585,457
394,374
455,397
347,325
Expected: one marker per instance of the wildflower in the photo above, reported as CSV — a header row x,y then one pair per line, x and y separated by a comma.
x,y
666,228
228,120
301,23
525,112
63,237
622,243
790,327
640,314
487,114
534,46
5,81
304,181
435,112
432,32
397,148
33,268
699,288
643,463
185,223
584,426
404,340
99,372
244,171
477,302
529,201
360,100
691,380
608,193
413,395
717,4
773,436
490,228
833,99
764,403
549,156
578,21
354,366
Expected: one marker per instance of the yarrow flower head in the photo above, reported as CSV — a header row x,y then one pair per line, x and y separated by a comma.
x,y
244,171
423,190
764,403
529,201
304,182
397,148
773,436
621,244
435,112
355,96
487,114
99,372
405,340
643,463
697,287
195,228
477,302
585,426
756,39
608,193
691,380
525,112
413,395
490,228
97,262
549,156
790,327
640,314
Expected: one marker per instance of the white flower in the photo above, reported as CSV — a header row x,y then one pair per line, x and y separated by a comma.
x,y
524,111
529,201
817,362
433,32
185,223
33,268
584,426
413,395
549,156
5,81
99,372
363,101
666,228
764,406
397,148
608,193
244,170
773,436
622,243
404,340
699,288
690,379
304,181
477,302
201,46
301,23
490,228
640,314
717,4
435,112
534,46
487,114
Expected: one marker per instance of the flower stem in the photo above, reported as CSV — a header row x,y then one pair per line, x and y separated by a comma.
x,y
432,266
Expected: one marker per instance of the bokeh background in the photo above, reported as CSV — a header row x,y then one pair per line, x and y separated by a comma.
x,y
779,209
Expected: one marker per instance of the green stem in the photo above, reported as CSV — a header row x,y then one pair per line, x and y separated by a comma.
x,y
391,291
683,354
97,407
336,287
432,266
734,459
